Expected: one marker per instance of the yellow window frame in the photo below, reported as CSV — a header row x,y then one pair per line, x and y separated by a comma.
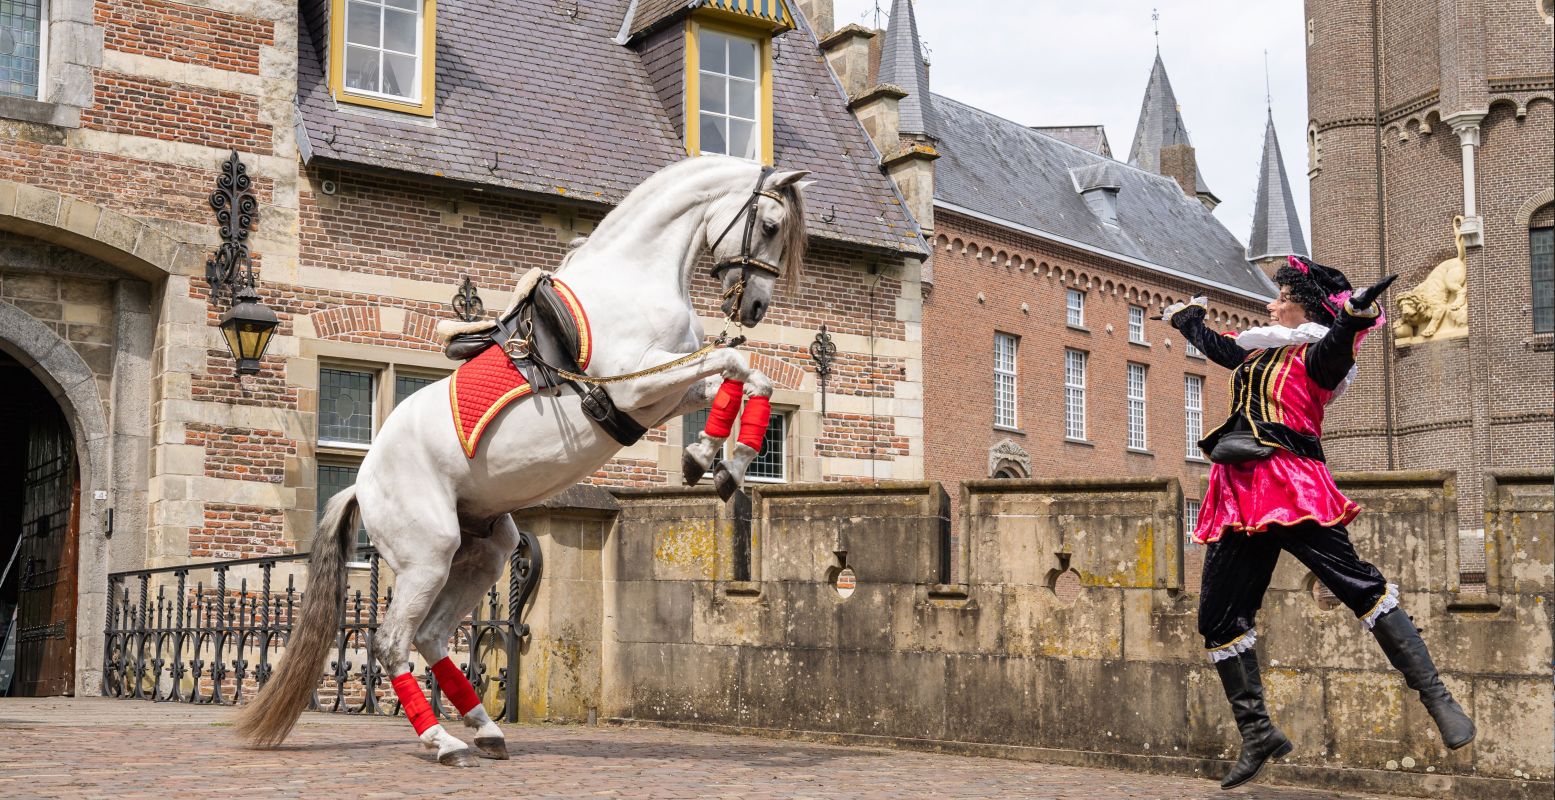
x,y
732,24
337,63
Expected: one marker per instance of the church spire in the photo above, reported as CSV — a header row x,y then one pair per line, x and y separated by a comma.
x,y
1276,228
1160,128
902,64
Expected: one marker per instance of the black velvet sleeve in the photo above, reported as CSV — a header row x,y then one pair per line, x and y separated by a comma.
x,y
1220,349
1329,359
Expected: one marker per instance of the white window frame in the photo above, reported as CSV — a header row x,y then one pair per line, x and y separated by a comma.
x,y
1136,325
419,55
1074,394
43,54
1193,352
1190,514
757,145
1074,308
1138,429
1006,383
376,385
782,417
1193,414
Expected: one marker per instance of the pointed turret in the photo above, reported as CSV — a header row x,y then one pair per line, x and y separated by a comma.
x,y
1276,228
902,65
1161,140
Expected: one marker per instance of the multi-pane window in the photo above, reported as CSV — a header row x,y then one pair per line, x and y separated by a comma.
x,y
348,417
1190,516
1193,412
770,465
1137,440
729,86
1194,352
691,426
1074,394
1004,349
384,48
1541,250
1136,324
23,44
1075,308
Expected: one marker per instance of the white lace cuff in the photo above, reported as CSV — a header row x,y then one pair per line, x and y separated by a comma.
x,y
1235,647
1388,602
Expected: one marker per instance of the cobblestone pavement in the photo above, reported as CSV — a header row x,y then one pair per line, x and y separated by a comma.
x,y
97,747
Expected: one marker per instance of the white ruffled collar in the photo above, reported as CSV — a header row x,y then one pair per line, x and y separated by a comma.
x,y
1281,336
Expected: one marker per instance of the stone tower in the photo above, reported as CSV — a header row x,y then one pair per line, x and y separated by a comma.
x,y
1276,227
1161,142
1421,113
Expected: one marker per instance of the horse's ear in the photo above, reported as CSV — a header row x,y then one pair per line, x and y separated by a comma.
x,y
803,185
788,177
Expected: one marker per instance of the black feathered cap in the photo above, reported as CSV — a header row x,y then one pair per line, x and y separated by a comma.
x,y
1320,290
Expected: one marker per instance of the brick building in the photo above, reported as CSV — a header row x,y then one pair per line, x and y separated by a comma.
x,y
1420,114
1049,257
394,146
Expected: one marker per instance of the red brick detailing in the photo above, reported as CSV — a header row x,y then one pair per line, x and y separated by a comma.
x,y
242,453
629,472
221,384
420,326
239,531
859,436
127,185
173,112
183,33
783,374
346,319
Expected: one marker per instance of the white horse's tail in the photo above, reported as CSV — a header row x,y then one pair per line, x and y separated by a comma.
x,y
267,720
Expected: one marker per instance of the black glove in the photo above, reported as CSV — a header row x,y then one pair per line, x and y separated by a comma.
x,y
1180,313
1362,300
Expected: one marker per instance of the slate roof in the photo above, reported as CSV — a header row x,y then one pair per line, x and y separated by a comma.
x,y
1160,125
902,65
1085,137
534,100
1009,172
1276,228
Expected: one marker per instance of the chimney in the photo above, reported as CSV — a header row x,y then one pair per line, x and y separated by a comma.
x,y
819,14
847,53
1179,164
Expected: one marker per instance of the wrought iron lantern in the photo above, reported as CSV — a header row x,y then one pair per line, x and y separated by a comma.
x,y
248,324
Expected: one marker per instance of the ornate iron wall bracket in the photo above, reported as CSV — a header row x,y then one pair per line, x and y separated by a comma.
x,y
822,352
467,304
230,270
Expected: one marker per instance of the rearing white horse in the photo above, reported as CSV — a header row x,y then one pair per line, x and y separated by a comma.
x,y
441,520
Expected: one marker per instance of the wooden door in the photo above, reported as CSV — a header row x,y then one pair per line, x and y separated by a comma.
x,y
46,609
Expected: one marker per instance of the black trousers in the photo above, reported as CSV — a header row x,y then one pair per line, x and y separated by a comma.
x,y
1238,567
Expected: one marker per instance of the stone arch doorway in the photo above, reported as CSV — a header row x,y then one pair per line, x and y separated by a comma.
x,y
39,528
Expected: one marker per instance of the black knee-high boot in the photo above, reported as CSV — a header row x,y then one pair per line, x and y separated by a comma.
x,y
1261,741
1401,641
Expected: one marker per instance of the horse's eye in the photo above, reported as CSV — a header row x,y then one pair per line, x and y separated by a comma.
x,y
769,228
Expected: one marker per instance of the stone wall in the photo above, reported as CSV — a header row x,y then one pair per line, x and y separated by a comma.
x,y
1070,636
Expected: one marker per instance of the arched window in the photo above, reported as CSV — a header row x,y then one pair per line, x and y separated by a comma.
x,y
1541,268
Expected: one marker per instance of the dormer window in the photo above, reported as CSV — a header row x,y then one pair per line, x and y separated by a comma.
x,y
730,94
382,53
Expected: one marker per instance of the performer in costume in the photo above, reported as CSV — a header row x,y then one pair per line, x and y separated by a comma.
x,y
1270,490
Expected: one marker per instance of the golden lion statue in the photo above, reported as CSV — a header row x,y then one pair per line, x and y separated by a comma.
x,y
1438,307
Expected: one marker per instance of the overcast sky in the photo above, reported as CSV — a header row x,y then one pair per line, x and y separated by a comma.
x,y
1079,62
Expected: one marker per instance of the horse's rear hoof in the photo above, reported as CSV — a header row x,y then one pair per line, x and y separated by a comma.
x,y
465,757
492,747
690,470
725,484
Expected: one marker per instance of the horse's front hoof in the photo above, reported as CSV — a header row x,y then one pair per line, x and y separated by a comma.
x,y
690,470
464,757
492,747
725,484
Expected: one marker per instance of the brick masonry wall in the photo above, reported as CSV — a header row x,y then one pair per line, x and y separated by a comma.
x,y
1472,404
184,33
173,112
232,530
971,259
245,454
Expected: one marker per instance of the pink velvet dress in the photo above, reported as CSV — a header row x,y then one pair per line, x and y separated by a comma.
x,y
1272,388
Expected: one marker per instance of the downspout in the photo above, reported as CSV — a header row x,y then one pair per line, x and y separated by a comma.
x,y
1382,225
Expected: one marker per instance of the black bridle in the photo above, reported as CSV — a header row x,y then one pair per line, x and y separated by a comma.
x,y
745,261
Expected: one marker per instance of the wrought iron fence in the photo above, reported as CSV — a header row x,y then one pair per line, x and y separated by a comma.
x,y
173,637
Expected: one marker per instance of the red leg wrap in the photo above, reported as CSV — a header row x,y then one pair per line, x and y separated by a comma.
x,y
417,709
455,687
720,420
753,422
